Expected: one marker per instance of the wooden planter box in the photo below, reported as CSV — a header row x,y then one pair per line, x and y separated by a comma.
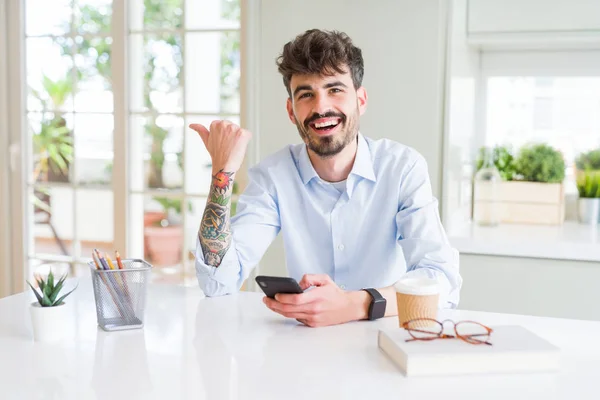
x,y
525,202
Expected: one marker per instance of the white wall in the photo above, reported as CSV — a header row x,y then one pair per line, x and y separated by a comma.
x,y
403,44
534,24
519,16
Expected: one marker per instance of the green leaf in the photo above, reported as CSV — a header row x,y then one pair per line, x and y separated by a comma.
x,y
41,205
56,291
41,284
63,297
58,288
502,158
46,300
62,280
57,159
51,280
39,298
48,289
540,163
221,200
588,183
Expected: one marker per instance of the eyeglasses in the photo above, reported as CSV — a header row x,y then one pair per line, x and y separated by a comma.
x,y
430,329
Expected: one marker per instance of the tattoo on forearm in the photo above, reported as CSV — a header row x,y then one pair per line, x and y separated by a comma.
x,y
215,232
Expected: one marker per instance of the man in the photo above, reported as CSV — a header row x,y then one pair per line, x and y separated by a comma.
x,y
355,213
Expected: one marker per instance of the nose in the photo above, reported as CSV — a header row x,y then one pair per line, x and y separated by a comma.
x,y
322,104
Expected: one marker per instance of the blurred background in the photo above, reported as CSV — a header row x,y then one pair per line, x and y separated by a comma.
x,y
501,97
182,63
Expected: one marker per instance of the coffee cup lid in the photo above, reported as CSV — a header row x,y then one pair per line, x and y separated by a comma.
x,y
417,286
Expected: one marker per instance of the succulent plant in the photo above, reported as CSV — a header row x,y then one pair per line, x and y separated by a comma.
x,y
49,290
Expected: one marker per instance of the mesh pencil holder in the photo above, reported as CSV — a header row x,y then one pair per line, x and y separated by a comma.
x,y
120,294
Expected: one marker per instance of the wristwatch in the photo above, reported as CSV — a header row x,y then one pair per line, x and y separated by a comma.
x,y
377,306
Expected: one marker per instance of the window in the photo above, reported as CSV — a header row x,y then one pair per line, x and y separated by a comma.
x,y
182,66
69,114
563,112
549,97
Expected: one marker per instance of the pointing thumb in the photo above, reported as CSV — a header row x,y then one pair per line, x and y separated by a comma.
x,y
202,131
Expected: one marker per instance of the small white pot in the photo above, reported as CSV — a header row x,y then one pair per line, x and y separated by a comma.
x,y
49,323
589,210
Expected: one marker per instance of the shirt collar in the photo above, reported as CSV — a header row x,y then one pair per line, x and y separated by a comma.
x,y
363,163
307,171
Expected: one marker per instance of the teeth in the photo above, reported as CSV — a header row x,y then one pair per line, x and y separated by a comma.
x,y
325,124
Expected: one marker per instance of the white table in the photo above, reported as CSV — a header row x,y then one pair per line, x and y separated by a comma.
x,y
233,347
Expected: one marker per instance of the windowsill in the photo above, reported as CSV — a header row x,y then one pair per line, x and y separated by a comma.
x,y
570,241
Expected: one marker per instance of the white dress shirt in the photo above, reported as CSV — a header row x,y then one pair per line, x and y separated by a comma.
x,y
378,226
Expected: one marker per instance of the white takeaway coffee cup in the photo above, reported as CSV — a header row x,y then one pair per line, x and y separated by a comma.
x,y
417,298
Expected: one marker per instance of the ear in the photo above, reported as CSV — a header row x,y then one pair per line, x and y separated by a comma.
x,y
362,98
290,111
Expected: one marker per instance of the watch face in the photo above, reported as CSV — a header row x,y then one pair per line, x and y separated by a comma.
x,y
378,308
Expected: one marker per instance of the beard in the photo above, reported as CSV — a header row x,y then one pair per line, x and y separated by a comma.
x,y
329,146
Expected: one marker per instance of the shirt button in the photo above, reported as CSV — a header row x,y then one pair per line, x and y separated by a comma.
x,y
341,247
342,287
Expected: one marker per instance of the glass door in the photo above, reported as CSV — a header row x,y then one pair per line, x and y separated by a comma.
x,y
184,67
69,133
109,162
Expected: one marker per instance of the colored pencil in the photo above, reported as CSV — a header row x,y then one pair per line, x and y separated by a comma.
x,y
119,262
120,265
109,261
115,296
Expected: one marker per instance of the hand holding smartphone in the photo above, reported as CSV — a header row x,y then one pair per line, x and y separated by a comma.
x,y
271,285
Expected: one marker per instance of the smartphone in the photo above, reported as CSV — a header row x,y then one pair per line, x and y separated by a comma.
x,y
272,285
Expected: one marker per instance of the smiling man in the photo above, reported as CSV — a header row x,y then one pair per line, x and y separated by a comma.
x,y
356,214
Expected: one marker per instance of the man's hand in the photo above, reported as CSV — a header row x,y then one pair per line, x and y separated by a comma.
x,y
226,143
326,304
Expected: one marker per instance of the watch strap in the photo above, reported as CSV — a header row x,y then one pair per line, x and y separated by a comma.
x,y
376,298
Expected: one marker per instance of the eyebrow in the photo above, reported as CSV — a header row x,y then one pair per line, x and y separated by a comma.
x,y
326,86
334,84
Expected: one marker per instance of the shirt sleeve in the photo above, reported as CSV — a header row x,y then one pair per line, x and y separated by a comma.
x,y
421,236
254,227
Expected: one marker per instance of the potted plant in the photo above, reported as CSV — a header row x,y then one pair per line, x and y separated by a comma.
x,y
164,238
540,163
53,145
588,161
48,313
532,189
587,173
52,149
588,204
503,159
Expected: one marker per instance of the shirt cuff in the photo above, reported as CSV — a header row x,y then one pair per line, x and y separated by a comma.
x,y
225,278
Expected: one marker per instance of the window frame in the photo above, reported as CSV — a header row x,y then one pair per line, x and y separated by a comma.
x,y
543,63
14,263
15,125
5,250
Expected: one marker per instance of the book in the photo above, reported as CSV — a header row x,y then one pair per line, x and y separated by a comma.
x,y
514,349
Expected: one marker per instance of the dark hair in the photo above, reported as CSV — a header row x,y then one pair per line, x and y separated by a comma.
x,y
320,52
